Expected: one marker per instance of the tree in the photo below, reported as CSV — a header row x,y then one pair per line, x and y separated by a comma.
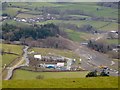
x,y
2,51
14,33
4,5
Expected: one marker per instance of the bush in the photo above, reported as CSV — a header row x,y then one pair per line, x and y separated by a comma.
x,y
40,77
92,74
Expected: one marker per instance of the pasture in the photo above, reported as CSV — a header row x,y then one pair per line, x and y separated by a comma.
x,y
110,27
92,9
12,22
22,15
12,48
29,75
11,11
32,5
100,25
8,58
79,36
113,41
96,82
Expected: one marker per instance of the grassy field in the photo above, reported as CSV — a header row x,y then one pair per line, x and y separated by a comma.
x,y
46,51
82,16
32,5
92,9
33,12
96,24
112,41
11,11
100,25
12,22
22,15
110,27
86,7
75,36
12,48
98,82
7,58
29,75
78,36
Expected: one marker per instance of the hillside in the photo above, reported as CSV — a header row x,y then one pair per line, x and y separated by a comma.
x,y
56,44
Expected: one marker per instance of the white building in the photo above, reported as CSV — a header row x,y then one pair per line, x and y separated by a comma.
x,y
38,57
23,20
60,64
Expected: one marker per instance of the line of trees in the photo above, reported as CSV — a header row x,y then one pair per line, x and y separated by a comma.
x,y
98,46
103,47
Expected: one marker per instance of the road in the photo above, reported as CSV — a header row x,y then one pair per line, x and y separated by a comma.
x,y
19,64
69,63
25,55
91,59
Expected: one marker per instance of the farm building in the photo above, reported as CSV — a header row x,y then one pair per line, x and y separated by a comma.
x,y
38,57
60,64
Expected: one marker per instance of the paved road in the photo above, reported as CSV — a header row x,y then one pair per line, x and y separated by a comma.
x,y
69,63
92,59
25,55
19,64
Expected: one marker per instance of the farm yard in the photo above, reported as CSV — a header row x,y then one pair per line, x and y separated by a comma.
x,y
45,59
55,44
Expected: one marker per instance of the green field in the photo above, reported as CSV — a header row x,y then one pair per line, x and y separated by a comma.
x,y
100,25
12,48
46,51
90,8
7,58
29,75
26,15
19,24
87,7
96,24
33,12
11,11
110,27
98,82
33,5
113,41
75,36
78,36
